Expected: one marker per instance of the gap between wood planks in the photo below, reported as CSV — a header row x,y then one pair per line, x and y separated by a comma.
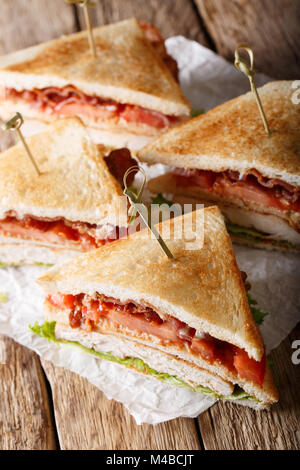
x,y
209,39
51,406
270,27
198,431
76,17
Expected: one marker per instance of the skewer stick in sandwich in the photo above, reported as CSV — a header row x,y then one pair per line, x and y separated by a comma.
x,y
14,124
73,205
85,4
125,95
184,320
226,157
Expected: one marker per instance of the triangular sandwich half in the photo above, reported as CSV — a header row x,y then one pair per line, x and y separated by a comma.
x,y
226,157
73,206
185,320
127,90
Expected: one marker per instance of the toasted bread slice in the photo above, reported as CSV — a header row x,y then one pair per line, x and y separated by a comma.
x,y
232,137
127,69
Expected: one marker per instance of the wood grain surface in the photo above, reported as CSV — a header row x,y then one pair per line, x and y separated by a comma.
x,y
24,23
172,17
25,417
99,423
270,27
84,417
226,426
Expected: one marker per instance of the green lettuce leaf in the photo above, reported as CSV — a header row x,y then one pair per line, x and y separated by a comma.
x,y
258,314
255,235
47,331
3,297
47,265
160,199
197,112
239,394
133,189
5,265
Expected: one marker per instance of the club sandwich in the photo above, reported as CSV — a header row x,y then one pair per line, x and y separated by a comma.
x,y
71,207
126,95
185,321
225,157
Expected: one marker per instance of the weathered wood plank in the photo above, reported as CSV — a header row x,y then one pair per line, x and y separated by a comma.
x,y
25,417
98,423
226,426
24,23
172,17
271,27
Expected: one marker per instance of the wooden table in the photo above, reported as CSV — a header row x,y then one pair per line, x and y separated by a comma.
x,y
46,407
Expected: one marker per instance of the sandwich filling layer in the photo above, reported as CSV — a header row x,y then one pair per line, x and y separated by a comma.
x,y
71,234
249,187
69,101
255,236
141,321
82,236
47,330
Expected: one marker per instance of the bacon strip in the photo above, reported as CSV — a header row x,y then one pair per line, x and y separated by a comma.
x,y
87,312
118,162
71,101
270,183
57,231
251,185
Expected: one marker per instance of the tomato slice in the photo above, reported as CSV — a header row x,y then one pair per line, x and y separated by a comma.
x,y
205,348
29,222
97,113
170,330
61,300
249,368
249,192
49,232
139,323
246,190
63,231
225,354
144,116
203,179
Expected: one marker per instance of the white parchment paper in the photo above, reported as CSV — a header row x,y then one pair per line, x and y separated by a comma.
x,y
207,81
